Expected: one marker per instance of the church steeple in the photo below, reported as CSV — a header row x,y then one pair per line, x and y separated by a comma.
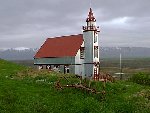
x,y
91,47
91,22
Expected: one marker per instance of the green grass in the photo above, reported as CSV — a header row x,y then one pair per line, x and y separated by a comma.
x,y
24,90
8,68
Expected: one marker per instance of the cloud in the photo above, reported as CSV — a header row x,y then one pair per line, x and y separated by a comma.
x,y
122,22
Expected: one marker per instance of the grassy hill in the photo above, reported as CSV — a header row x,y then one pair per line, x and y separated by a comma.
x,y
25,90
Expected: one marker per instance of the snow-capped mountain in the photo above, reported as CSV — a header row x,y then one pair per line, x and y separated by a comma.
x,y
21,48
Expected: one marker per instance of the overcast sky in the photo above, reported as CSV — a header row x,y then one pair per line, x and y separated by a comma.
x,y
27,23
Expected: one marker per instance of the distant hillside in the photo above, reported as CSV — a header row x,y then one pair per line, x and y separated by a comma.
x,y
127,52
18,54
105,52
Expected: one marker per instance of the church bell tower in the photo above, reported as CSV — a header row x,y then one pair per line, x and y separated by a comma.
x,y
91,48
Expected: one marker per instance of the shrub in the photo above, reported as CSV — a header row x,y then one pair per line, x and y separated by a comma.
x,y
141,78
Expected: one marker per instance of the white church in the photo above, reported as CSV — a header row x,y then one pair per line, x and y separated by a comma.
x,y
77,54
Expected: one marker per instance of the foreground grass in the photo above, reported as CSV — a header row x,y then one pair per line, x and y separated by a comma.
x,y
34,92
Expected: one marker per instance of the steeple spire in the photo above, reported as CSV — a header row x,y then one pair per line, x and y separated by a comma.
x,y
90,16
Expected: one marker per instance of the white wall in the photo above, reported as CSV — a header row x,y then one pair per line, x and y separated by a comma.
x,y
79,67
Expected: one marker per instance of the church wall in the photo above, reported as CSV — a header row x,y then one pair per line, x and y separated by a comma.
x,y
79,68
57,61
71,69
64,60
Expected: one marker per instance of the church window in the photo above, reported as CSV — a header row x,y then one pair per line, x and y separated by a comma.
x,y
95,51
81,52
66,69
48,67
40,67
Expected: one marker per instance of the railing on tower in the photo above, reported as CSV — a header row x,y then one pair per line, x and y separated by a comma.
x,y
89,28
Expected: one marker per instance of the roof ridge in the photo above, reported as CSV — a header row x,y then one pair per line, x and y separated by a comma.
x,y
64,36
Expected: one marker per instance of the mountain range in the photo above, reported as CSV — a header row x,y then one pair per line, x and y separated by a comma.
x,y
23,53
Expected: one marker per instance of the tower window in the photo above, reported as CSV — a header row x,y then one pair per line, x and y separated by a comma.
x,y
95,39
81,52
95,51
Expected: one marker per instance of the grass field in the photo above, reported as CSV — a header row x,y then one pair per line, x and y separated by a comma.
x,y
26,90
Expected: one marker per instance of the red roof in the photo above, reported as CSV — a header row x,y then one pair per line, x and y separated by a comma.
x,y
60,46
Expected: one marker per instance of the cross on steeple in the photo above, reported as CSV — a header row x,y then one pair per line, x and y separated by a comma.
x,y
90,3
